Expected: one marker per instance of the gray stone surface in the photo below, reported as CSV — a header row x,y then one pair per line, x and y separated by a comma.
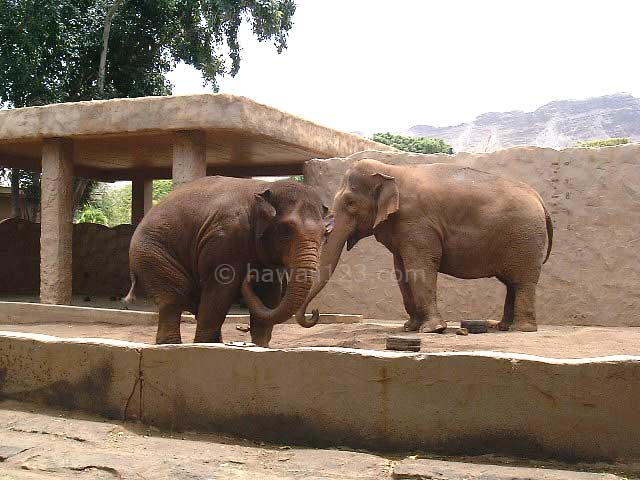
x,y
590,278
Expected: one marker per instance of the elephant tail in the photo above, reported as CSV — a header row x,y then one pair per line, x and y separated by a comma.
x,y
132,294
549,223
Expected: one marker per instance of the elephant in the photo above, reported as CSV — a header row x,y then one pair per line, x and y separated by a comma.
x,y
443,218
215,237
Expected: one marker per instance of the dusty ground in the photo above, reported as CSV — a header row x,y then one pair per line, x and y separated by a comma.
x,y
45,443
549,341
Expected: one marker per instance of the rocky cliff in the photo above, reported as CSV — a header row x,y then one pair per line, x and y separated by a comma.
x,y
557,124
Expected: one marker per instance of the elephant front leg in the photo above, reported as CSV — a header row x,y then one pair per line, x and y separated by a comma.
x,y
269,290
421,262
215,302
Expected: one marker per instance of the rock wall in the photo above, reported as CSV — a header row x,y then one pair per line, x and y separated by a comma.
x,y
100,258
591,278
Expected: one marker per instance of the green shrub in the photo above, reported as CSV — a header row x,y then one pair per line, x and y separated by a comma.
x,y
413,144
607,142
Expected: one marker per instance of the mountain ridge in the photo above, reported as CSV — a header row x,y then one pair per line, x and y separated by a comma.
x,y
557,124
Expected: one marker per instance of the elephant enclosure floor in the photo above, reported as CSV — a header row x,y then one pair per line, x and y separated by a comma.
x,y
46,443
549,341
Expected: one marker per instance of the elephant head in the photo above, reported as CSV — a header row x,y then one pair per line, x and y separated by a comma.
x,y
289,230
367,197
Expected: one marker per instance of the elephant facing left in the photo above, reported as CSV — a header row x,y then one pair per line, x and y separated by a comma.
x,y
201,245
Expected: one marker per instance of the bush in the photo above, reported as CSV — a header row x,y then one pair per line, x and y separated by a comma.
x,y
607,142
111,206
413,144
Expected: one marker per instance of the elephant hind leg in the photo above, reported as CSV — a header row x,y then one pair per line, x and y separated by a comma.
x,y
169,324
508,312
519,307
524,308
414,322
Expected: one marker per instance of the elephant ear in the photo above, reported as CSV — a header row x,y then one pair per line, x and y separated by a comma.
x,y
265,212
387,198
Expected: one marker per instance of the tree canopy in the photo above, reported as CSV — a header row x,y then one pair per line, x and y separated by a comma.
x,y
50,51
413,144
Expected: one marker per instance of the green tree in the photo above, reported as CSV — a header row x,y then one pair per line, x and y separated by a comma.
x,y
161,188
608,142
91,214
57,51
413,144
114,203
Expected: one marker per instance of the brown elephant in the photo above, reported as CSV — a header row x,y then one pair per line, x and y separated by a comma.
x,y
443,218
193,252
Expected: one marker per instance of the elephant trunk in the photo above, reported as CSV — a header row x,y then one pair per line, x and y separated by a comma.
x,y
303,270
328,261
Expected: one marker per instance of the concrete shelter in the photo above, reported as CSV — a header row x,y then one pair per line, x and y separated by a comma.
x,y
142,139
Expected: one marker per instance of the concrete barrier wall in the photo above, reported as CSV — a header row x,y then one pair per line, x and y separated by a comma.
x,y
591,278
100,258
452,403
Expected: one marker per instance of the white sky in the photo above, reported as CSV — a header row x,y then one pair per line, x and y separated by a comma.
x,y
376,65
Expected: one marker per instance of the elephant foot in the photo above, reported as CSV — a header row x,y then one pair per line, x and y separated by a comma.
x,y
524,327
169,340
412,325
215,337
435,325
503,326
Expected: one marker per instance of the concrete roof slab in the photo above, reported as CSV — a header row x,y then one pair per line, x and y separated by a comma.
x,y
122,136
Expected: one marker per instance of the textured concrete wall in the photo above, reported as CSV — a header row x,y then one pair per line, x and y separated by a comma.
x,y
189,157
100,258
591,277
451,403
56,232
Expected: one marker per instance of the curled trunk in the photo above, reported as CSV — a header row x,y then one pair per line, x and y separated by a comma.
x,y
304,265
328,261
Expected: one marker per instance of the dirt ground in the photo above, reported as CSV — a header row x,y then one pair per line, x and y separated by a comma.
x,y
47,443
549,341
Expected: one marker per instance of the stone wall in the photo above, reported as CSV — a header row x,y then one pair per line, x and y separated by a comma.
x,y
591,278
450,403
100,258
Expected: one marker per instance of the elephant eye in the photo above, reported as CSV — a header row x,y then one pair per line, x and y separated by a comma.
x,y
351,205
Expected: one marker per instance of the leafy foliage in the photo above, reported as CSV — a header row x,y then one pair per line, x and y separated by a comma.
x,y
413,144
50,50
114,203
91,214
608,142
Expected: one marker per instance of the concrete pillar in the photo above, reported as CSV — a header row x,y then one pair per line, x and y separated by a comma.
x,y
189,157
56,224
141,198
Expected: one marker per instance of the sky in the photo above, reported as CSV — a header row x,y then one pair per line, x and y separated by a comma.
x,y
373,65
